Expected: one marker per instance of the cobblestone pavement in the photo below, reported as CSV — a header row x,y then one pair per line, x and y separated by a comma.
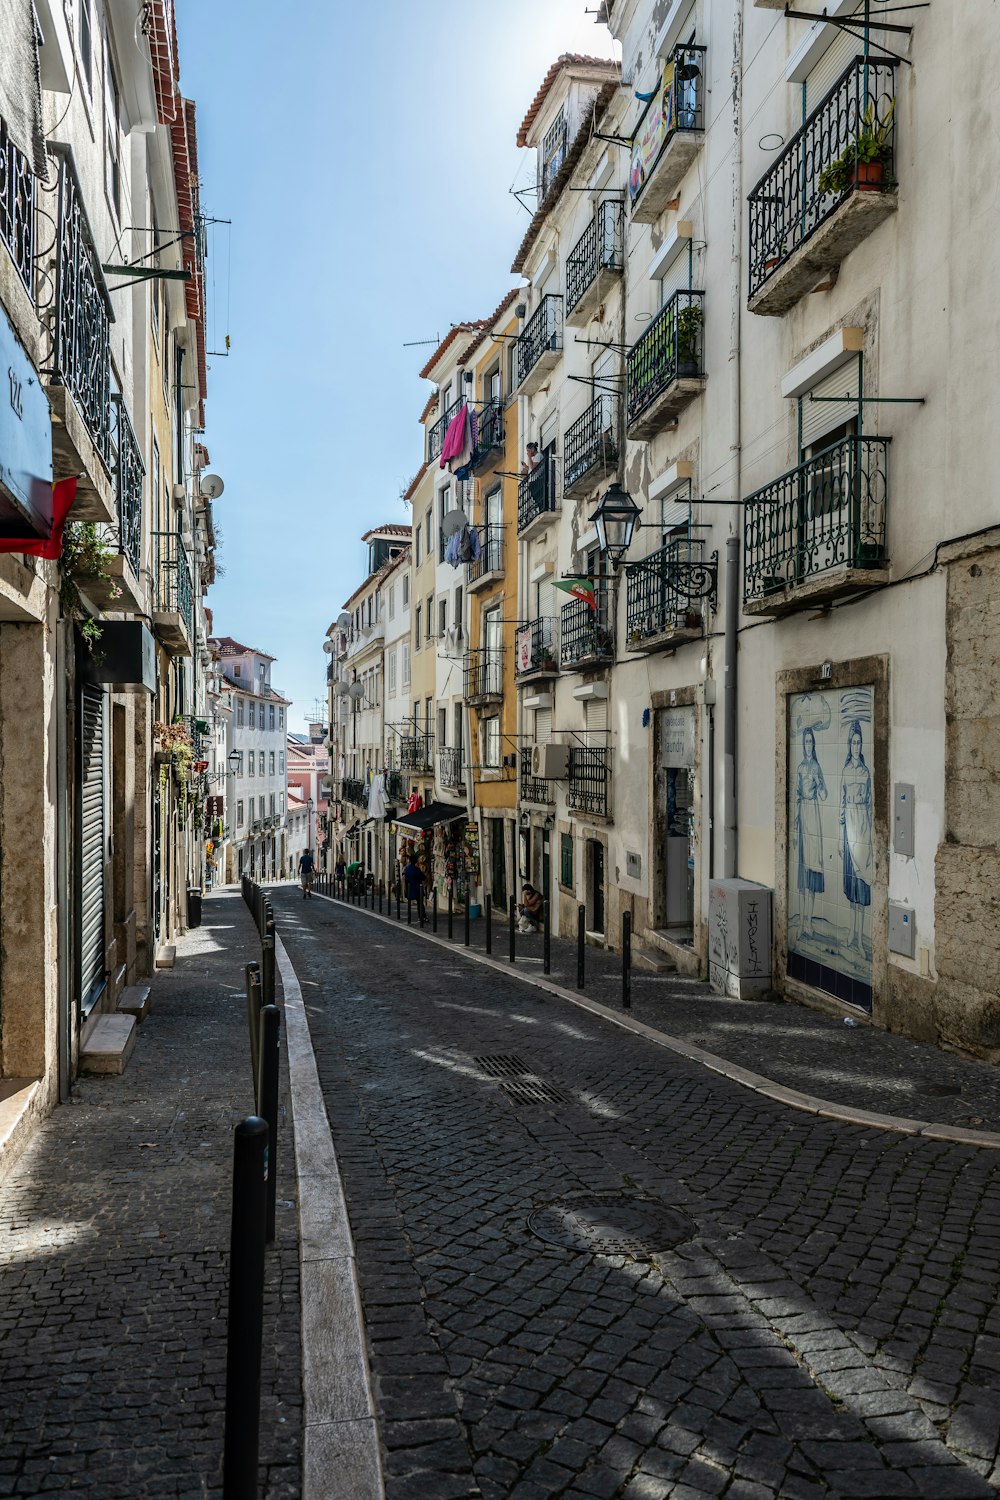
x,y
114,1251
591,1268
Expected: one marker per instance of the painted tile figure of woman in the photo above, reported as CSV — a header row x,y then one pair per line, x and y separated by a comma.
x,y
810,791
856,822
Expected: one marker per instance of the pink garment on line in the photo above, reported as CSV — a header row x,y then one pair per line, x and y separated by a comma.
x,y
456,438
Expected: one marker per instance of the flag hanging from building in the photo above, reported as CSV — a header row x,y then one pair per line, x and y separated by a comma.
x,y
580,588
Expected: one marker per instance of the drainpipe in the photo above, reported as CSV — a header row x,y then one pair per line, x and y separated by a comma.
x,y
63,874
730,850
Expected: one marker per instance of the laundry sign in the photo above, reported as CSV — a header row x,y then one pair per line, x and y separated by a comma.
x,y
677,737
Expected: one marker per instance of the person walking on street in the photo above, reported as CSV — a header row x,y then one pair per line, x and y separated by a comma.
x,y
413,879
306,867
340,876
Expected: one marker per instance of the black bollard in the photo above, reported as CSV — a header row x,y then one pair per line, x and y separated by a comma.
x,y
546,940
267,1101
252,972
409,911
451,912
380,898
434,909
581,928
246,1310
267,964
489,924
512,913
626,960
468,903
397,901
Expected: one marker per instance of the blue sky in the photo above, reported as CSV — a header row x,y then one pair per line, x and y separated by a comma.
x,y
364,154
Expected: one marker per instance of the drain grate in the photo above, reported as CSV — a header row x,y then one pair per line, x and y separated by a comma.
x,y
502,1065
636,1227
531,1090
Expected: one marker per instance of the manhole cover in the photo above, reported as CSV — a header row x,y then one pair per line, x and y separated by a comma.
x,y
638,1227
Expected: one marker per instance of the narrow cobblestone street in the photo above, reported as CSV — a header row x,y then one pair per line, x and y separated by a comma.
x,y
590,1268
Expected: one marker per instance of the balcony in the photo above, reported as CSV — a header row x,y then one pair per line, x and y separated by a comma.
x,y
173,594
353,790
533,789
489,445
488,566
539,348
484,677
436,434
536,498
590,447
668,136
666,595
595,263
17,209
537,650
451,767
416,752
663,368
395,788
121,588
588,789
819,200
587,635
818,531
80,369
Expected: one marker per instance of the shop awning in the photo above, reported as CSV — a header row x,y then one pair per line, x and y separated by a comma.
x,y
433,813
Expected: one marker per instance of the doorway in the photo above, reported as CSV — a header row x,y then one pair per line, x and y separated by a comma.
x,y
498,865
674,829
596,893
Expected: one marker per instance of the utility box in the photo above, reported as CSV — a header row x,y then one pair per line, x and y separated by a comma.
x,y
739,938
902,930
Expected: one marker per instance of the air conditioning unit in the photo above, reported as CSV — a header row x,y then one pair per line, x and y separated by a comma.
x,y
177,495
550,762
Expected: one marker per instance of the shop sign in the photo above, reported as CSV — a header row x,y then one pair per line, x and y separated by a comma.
x,y
524,649
677,737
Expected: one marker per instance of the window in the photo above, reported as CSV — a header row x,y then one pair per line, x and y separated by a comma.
x,y
406,590
405,672
429,532
237,669
416,627
429,717
457,616
271,763
416,557
429,617
260,763
112,112
392,673
491,744
553,152
251,764
566,860
253,714
281,760
442,617
260,804
270,717
281,718
442,728
392,601
87,42
240,712
270,805
239,814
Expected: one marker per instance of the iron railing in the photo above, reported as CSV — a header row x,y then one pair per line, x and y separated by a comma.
x,y
352,790
491,430
536,492
395,787
416,752
81,349
592,440
484,675
819,166
586,635
542,332
588,789
17,207
129,474
669,350
599,248
436,435
827,513
666,591
451,766
174,589
534,788
490,559
543,655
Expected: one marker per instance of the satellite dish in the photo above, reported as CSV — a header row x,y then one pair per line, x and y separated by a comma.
x,y
341,690
454,521
212,486
328,647
343,620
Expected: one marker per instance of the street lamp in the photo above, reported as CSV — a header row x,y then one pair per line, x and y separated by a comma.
x,y
309,813
615,518
235,760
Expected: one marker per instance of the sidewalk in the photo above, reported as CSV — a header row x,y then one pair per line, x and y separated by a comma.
x,y
114,1255
810,1053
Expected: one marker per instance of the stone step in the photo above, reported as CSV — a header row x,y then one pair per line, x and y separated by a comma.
x,y
166,956
135,1000
109,1044
652,960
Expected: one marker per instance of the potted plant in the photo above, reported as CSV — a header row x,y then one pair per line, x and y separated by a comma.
x,y
862,164
689,321
776,257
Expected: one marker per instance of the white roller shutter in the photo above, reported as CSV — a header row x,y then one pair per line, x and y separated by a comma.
x,y
543,726
676,278
595,712
820,417
675,508
824,75
92,818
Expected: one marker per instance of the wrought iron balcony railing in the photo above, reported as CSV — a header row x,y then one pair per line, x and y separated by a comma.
x,y
668,351
668,134
416,752
490,559
173,586
81,348
588,789
537,648
599,248
543,334
590,447
491,431
536,493
667,590
484,675
823,163
827,514
129,474
353,790
395,787
451,766
17,207
587,635
436,435
534,788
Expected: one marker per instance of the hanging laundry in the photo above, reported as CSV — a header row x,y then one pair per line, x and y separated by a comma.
x,y
456,439
469,547
415,803
378,802
451,551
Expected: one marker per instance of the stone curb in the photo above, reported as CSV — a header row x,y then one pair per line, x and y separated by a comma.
x,y
808,1103
341,1443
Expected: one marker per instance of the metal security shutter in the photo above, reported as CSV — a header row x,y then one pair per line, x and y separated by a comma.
x,y
819,417
676,278
596,720
824,75
91,844
675,508
543,726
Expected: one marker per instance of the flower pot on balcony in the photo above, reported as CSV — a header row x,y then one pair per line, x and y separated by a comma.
x,y
771,583
870,555
692,619
870,174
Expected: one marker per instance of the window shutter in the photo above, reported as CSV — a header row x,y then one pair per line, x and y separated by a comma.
x,y
677,277
819,417
675,508
596,720
543,726
835,59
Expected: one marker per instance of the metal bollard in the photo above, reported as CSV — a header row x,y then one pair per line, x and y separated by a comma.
x,y
512,914
267,1100
581,928
380,898
409,911
434,909
246,1310
451,912
489,924
398,918
626,960
468,903
546,940
255,1004
267,964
